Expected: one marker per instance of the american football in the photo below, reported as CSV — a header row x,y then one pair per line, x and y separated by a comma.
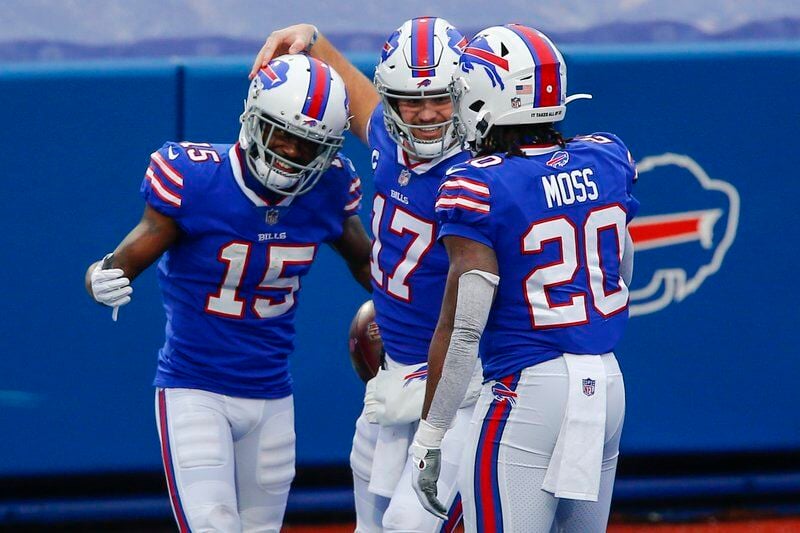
x,y
366,346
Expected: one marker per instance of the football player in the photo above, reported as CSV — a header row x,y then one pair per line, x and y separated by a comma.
x,y
406,120
540,261
236,226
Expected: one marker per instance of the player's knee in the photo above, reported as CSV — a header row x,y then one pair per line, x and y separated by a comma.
x,y
275,464
363,450
404,517
214,518
198,440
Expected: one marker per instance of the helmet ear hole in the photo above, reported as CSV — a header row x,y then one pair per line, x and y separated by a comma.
x,y
476,105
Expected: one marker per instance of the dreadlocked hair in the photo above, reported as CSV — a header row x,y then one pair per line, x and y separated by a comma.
x,y
508,139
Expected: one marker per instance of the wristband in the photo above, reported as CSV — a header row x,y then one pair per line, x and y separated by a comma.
x,y
313,40
429,436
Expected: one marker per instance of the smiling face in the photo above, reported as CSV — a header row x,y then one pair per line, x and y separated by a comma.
x,y
289,146
426,111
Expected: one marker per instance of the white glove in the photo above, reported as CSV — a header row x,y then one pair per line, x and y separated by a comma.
x,y
395,396
110,286
426,454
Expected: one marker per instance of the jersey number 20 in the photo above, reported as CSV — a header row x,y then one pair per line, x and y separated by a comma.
x,y
606,224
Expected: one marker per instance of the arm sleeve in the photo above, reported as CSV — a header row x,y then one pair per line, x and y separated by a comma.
x,y
475,294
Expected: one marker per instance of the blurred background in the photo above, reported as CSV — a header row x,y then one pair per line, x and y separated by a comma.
x,y
703,93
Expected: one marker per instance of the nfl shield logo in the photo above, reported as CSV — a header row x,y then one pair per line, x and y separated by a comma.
x,y
403,178
272,216
516,103
588,386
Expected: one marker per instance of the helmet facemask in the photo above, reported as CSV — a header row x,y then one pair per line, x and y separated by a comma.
x,y
402,132
278,173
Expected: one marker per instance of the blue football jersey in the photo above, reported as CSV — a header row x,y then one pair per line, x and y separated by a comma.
x,y
409,266
556,220
231,282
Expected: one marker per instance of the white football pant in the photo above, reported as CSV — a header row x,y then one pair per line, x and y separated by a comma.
x,y
228,461
508,451
400,510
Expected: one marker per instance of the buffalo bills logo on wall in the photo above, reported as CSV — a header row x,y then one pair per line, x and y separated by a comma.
x,y
503,394
588,386
478,53
687,224
558,159
420,374
455,40
390,46
273,75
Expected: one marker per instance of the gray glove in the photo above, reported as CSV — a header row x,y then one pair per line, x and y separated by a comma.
x,y
424,475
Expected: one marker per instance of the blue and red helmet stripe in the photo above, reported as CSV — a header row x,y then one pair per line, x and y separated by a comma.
x,y
319,89
422,51
548,67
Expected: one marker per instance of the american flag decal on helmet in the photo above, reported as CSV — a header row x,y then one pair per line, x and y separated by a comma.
x,y
547,73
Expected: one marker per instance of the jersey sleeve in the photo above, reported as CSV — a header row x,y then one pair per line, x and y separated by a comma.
x,y
463,206
352,203
162,186
630,172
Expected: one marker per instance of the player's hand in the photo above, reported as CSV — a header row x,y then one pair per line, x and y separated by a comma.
x,y
291,40
395,397
426,453
110,286
424,475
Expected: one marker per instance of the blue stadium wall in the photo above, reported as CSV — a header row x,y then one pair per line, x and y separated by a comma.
x,y
710,359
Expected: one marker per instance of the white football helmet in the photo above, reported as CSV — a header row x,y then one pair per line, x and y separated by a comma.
x,y
299,96
508,75
418,61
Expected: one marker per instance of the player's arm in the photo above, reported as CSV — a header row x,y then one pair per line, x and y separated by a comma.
x,y
294,39
465,307
108,282
471,282
354,247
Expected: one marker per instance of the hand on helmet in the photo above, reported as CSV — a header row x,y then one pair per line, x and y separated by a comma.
x,y
290,40
110,286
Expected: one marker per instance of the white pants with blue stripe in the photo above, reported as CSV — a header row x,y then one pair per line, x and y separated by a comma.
x,y
509,447
228,461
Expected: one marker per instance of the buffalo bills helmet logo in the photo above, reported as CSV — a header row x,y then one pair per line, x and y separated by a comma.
x,y
502,393
273,75
683,239
478,53
390,46
588,386
424,83
558,159
420,374
455,40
